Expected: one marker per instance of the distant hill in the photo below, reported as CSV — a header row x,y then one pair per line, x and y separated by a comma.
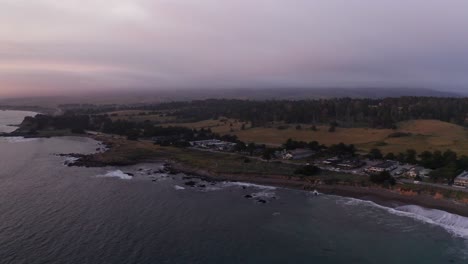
x,y
156,96
304,93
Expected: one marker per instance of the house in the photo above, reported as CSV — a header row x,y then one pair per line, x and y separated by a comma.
x,y
297,154
425,172
417,172
401,172
413,172
381,167
332,161
287,156
350,164
462,179
214,144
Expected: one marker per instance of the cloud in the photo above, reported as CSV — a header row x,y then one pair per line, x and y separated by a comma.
x,y
231,43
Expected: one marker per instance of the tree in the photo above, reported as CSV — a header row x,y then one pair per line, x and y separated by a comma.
x,y
446,173
267,154
425,159
314,145
462,163
132,135
342,149
437,160
375,153
382,178
308,170
411,156
401,157
390,156
77,131
240,146
449,157
251,148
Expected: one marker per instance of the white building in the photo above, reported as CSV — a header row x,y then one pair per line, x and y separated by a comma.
x,y
462,179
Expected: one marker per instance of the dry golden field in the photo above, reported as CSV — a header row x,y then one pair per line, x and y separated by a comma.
x,y
221,126
136,116
425,135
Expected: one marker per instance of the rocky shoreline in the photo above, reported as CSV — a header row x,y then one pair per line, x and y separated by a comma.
x,y
387,197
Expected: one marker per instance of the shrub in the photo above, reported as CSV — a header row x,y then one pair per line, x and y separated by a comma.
x,y
383,178
308,170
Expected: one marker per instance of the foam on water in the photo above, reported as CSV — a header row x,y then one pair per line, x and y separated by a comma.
x,y
227,184
117,174
16,139
264,194
70,160
244,184
455,224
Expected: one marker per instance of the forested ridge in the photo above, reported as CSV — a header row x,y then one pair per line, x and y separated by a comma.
x,y
375,113
349,112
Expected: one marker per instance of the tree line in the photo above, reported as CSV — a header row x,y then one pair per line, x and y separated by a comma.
x,y
348,112
376,113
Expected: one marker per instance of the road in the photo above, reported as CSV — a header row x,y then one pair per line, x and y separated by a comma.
x,y
448,187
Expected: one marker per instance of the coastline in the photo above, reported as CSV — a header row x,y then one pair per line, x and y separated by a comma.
x,y
378,195
386,197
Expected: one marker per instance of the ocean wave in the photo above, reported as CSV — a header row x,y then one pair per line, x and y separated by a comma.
x,y
16,139
217,186
247,185
455,224
70,160
264,195
211,188
117,174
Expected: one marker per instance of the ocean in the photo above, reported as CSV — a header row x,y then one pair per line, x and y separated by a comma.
x,y
52,213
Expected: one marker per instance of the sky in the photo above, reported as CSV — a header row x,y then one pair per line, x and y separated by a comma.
x,y
78,46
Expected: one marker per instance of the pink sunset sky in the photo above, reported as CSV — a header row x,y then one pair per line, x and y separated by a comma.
x,y
68,46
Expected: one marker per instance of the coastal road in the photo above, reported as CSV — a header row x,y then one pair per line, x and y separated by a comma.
x,y
448,187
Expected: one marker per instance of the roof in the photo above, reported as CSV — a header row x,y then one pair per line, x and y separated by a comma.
x,y
463,175
301,151
385,165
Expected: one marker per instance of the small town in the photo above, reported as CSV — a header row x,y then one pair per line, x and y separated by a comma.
x,y
357,165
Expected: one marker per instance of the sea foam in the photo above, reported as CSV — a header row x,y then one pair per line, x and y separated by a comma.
x,y
117,174
70,160
455,224
244,184
16,139
177,187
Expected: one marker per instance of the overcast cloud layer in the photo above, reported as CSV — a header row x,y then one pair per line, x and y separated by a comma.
x,y
66,46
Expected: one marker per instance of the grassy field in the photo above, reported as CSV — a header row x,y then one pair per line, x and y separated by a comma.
x,y
425,135
140,116
220,126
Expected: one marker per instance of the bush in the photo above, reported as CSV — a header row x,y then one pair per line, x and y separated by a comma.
x,y
399,134
308,170
77,131
383,178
